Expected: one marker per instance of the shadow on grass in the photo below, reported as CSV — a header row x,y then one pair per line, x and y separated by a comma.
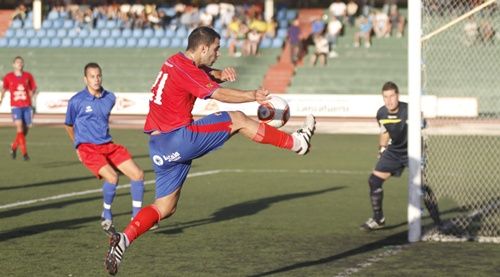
x,y
70,224
242,209
60,181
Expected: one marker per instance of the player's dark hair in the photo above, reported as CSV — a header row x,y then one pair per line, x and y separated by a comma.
x,y
90,65
16,58
390,86
201,36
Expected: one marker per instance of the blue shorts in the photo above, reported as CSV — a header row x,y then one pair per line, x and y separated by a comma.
x,y
392,162
25,114
172,153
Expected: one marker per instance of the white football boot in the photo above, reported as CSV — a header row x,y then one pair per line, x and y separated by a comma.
x,y
304,134
117,247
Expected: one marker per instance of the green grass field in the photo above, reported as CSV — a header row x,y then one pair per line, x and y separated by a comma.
x,y
251,210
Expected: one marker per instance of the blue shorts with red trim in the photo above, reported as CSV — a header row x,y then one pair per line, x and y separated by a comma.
x,y
172,153
25,114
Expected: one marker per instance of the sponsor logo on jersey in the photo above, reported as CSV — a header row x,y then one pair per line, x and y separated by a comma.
x,y
157,160
160,160
88,109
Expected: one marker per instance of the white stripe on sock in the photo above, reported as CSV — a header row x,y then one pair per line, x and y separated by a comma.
x,y
136,204
106,206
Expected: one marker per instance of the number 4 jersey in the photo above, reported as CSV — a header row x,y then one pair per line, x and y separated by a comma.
x,y
20,88
174,92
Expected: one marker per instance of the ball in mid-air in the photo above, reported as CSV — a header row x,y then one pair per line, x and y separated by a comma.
x,y
274,112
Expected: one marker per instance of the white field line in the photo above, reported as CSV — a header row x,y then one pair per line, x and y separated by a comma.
x,y
203,173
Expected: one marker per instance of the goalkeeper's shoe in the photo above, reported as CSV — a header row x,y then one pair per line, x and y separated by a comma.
x,y
108,227
372,224
304,134
117,247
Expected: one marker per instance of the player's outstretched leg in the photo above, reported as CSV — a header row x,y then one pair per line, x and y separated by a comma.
x,y
117,246
304,134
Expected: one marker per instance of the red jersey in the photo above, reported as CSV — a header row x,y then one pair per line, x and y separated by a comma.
x,y
21,88
174,92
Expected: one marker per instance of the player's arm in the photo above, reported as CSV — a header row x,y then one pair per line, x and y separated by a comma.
x,y
220,76
229,95
383,141
70,131
2,93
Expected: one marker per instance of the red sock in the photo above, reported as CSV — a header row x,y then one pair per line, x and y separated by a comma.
x,y
15,142
269,135
22,143
142,222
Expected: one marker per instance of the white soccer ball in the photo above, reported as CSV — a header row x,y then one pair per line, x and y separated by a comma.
x,y
274,112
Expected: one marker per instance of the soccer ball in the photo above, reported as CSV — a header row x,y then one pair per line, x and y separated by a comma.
x,y
275,112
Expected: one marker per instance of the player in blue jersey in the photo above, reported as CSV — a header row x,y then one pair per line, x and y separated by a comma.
x,y
87,124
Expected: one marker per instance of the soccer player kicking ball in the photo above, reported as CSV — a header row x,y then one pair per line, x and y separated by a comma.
x,y
22,88
175,139
87,124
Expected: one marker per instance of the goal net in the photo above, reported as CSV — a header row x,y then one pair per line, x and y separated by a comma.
x,y
461,160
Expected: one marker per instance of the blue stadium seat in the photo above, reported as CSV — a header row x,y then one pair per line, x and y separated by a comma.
x,y
101,24
170,33
283,24
51,33
19,33
67,42
88,42
121,42
34,42
109,42
73,33
281,14
4,42
126,33
218,24
47,24
131,42
105,33
291,14
154,43
137,33
159,33
28,23
148,33
164,42
10,33
77,42
53,15
61,33
45,42
116,33
184,43
281,33
84,33
94,33
68,24
98,42
181,32
277,43
41,33
55,42
265,43
142,42
58,23
23,42
30,32
111,24
175,43
16,24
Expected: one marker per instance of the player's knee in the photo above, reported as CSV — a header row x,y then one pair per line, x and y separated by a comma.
x,y
137,175
112,178
375,183
237,117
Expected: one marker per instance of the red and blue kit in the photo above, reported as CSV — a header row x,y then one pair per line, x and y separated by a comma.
x,y
178,84
20,88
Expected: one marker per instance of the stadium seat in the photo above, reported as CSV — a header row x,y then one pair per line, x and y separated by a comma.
x,y
53,15
148,33
88,42
154,43
19,33
10,33
41,33
111,24
16,24
116,33
51,33
131,42
137,33
109,42
34,42
47,24
142,42
265,43
94,33
184,43
57,24
73,33
84,33
281,33
218,24
28,23
68,24
98,42
66,42
4,42
77,42
283,23
121,42
164,42
291,14
175,43
181,32
45,42
223,42
55,42
23,42
170,33
104,33
12,42
100,24
62,33
159,33
281,14
126,33
277,43
30,33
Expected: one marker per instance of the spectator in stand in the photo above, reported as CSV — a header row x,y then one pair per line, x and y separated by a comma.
x,y
237,32
293,37
471,31
206,19
333,31
397,21
320,49
338,9
364,32
486,32
272,25
227,12
352,11
381,25
252,43
20,13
